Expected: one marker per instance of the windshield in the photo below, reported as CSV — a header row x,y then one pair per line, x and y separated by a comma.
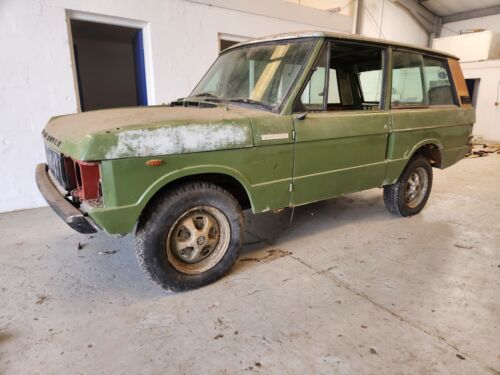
x,y
257,74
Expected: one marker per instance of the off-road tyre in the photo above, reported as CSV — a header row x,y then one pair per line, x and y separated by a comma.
x,y
162,216
396,195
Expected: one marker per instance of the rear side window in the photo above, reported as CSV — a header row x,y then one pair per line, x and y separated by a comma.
x,y
420,81
437,82
407,80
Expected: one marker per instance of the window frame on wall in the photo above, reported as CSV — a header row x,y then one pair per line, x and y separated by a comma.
x,y
327,47
425,93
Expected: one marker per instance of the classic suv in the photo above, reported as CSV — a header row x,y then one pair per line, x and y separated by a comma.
x,y
275,122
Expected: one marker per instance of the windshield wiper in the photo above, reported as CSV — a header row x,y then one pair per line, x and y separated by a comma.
x,y
206,94
251,101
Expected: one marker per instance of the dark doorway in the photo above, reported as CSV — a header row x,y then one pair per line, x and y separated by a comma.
x,y
473,88
109,65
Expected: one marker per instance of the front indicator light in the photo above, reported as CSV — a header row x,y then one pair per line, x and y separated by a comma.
x,y
154,162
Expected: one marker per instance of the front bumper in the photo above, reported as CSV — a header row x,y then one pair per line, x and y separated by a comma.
x,y
61,206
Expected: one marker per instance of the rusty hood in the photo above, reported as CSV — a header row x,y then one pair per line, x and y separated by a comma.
x,y
148,131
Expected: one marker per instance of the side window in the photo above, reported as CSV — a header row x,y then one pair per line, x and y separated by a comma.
x,y
358,77
437,82
312,97
333,87
407,80
354,76
371,85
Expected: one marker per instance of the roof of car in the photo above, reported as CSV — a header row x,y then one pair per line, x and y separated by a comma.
x,y
348,37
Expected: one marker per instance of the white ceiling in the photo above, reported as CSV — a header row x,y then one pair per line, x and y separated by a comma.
x,y
448,7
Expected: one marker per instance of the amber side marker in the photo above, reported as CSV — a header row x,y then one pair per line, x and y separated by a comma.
x,y
154,162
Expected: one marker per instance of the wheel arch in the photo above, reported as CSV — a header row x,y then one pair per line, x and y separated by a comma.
x,y
432,149
229,179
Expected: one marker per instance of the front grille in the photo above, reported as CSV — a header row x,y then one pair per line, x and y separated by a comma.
x,y
55,161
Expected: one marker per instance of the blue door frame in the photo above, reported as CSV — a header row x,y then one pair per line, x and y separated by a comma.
x,y
140,69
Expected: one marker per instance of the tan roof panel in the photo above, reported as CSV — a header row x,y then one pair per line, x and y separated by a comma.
x,y
324,34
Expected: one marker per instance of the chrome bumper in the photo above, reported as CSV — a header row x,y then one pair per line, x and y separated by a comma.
x,y
61,206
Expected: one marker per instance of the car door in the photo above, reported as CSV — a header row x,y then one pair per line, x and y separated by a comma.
x,y
424,110
341,124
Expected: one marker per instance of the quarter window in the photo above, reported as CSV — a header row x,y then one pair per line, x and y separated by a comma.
x,y
437,82
419,81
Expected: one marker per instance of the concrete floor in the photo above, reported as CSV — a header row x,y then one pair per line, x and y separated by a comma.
x,y
346,288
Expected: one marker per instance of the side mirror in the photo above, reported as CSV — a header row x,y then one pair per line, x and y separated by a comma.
x,y
301,116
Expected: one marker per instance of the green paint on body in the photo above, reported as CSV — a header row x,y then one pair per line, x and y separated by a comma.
x,y
278,159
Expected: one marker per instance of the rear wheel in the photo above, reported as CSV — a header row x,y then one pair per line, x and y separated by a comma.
x,y
190,237
410,193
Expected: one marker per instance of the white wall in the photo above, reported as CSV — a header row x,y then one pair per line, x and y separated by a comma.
x,y
487,23
387,20
339,5
487,125
37,80
479,46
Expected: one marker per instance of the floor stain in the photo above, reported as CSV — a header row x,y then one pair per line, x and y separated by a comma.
x,y
270,256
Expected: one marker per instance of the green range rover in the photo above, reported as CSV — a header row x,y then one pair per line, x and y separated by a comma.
x,y
275,122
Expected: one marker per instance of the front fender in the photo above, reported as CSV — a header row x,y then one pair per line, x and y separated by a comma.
x,y
129,184
194,171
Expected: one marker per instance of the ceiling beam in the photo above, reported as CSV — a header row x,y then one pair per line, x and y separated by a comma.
x,y
423,15
427,19
472,14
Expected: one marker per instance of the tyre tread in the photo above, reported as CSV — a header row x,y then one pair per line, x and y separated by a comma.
x,y
153,211
392,192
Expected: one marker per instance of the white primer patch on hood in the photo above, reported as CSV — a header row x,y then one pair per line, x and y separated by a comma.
x,y
178,139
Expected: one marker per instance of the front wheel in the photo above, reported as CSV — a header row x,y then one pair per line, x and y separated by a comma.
x,y
409,194
190,237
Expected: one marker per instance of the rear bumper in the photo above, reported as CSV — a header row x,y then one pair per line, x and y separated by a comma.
x,y
61,206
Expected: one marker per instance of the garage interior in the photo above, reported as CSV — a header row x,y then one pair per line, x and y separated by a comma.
x,y
339,286
109,64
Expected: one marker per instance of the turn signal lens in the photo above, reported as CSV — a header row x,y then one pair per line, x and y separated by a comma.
x,y
154,162
88,177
